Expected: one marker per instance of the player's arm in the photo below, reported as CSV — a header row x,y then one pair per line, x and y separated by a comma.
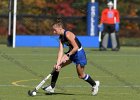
x,y
71,37
103,16
117,15
60,53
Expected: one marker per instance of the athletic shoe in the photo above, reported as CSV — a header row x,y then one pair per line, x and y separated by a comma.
x,y
95,88
115,49
102,49
48,89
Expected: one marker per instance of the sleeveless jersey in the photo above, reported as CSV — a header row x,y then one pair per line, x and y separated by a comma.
x,y
66,42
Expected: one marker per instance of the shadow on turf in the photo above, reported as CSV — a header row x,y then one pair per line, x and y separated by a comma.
x,y
59,94
48,94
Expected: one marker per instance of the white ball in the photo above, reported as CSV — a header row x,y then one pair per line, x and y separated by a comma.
x,y
34,93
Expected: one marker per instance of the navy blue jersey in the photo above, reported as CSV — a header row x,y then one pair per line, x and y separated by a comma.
x,y
66,42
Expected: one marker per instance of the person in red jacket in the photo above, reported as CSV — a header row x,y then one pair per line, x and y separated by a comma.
x,y
110,20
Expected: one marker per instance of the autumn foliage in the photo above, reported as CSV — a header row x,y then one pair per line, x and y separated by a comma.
x,y
66,8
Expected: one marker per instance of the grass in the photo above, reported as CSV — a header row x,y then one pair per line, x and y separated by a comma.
x,y
118,72
130,41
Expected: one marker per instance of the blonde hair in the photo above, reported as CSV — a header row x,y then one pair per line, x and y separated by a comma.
x,y
58,23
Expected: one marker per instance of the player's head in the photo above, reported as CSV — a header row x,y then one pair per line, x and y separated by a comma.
x,y
110,4
58,27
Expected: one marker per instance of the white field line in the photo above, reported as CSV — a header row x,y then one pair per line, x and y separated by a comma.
x,y
19,83
73,86
79,86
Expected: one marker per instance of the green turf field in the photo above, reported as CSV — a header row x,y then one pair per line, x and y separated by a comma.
x,y
21,69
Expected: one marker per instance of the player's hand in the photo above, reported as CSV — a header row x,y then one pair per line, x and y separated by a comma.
x,y
57,67
101,27
64,58
117,27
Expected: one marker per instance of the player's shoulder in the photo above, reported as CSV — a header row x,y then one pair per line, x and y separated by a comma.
x,y
105,10
70,34
115,10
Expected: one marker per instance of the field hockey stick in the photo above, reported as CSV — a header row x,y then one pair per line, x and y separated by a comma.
x,y
33,92
100,33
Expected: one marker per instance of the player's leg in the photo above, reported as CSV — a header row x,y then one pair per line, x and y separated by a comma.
x,y
82,75
113,40
87,78
113,37
51,87
105,41
56,73
105,37
80,60
118,42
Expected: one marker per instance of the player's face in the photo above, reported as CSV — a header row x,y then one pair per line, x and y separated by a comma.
x,y
110,6
56,30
